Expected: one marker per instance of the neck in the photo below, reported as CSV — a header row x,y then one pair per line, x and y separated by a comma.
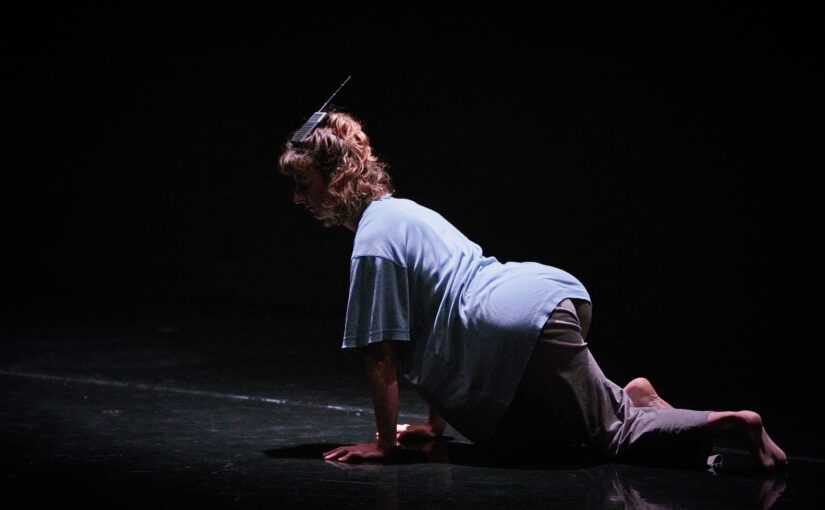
x,y
351,223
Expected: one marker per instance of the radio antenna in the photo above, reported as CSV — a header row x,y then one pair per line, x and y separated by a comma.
x,y
316,119
335,93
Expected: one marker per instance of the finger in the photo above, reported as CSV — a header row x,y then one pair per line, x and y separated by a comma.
x,y
398,429
405,433
334,454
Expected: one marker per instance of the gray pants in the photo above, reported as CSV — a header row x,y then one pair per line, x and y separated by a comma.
x,y
566,404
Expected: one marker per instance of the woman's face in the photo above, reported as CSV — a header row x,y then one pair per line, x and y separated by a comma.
x,y
311,191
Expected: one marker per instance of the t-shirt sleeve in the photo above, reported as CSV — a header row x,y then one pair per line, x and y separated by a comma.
x,y
378,308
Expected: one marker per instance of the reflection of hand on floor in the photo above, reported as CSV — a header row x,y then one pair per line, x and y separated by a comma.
x,y
772,488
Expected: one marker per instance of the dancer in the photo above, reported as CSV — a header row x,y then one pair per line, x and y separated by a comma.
x,y
497,350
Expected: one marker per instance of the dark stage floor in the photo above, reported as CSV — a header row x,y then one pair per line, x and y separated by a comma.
x,y
140,407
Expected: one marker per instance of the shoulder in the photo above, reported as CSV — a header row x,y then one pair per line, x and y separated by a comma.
x,y
390,205
390,215
375,235
389,223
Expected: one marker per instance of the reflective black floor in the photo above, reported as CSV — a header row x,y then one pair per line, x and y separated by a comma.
x,y
147,408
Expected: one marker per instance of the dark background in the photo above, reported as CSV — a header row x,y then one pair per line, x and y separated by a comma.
x,y
662,156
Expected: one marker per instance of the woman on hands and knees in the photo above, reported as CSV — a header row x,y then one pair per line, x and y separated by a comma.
x,y
498,350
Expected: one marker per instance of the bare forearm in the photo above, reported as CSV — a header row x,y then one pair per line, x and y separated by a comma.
x,y
383,381
436,422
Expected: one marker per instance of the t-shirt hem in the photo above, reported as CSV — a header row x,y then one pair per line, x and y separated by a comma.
x,y
376,337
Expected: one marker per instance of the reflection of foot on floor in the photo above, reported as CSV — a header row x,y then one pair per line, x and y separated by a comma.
x,y
772,488
642,394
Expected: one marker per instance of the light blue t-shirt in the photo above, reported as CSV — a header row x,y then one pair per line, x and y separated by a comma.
x,y
470,322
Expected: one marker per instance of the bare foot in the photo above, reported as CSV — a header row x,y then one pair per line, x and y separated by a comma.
x,y
747,427
641,394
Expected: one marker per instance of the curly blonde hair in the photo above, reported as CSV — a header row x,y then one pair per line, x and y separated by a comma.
x,y
341,152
